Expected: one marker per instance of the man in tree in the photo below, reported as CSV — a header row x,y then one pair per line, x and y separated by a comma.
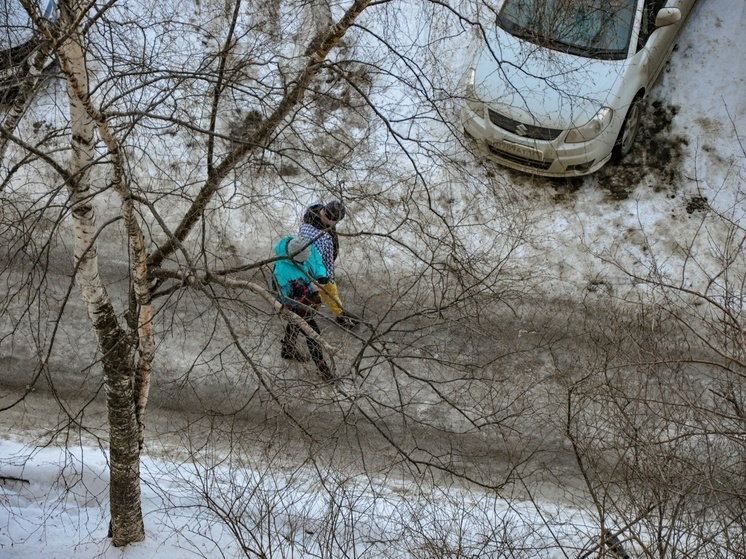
x,y
320,227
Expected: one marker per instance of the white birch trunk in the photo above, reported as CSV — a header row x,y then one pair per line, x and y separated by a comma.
x,y
315,19
126,524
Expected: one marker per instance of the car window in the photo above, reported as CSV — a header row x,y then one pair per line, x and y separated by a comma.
x,y
592,28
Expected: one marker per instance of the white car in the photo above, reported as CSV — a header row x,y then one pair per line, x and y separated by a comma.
x,y
557,90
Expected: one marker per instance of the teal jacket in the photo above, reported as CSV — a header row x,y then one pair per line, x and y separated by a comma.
x,y
293,279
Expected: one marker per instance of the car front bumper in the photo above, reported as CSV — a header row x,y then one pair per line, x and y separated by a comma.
x,y
537,157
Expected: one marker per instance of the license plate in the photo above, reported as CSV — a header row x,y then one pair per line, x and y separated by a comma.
x,y
517,149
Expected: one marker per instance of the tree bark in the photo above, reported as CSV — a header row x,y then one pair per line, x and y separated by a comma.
x,y
117,349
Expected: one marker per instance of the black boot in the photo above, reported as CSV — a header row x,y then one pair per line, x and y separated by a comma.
x,y
317,354
346,320
289,351
325,372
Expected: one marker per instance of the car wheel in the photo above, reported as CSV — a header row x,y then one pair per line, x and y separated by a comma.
x,y
631,126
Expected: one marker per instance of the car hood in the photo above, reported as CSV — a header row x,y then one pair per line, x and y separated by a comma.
x,y
544,87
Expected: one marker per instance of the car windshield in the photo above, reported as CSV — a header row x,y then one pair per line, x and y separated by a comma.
x,y
591,28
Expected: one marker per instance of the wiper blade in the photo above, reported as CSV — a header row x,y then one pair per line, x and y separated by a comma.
x,y
604,54
515,30
561,45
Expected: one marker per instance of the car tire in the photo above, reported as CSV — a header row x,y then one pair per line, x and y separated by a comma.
x,y
625,141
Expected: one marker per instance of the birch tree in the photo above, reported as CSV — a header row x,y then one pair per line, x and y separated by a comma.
x,y
258,121
127,347
190,136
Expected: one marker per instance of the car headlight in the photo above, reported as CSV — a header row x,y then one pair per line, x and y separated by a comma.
x,y
470,96
592,128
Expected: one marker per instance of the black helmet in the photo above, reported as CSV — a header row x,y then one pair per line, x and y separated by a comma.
x,y
334,211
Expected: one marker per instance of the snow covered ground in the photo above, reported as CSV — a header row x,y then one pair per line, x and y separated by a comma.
x,y
54,514
54,504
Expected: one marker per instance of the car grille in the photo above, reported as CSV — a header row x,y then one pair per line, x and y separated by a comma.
x,y
543,165
522,129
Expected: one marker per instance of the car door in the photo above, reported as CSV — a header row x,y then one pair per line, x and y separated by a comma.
x,y
658,42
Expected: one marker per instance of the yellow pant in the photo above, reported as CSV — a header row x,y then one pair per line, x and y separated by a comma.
x,y
330,296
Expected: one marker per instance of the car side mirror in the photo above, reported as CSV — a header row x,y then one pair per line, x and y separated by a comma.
x,y
667,16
